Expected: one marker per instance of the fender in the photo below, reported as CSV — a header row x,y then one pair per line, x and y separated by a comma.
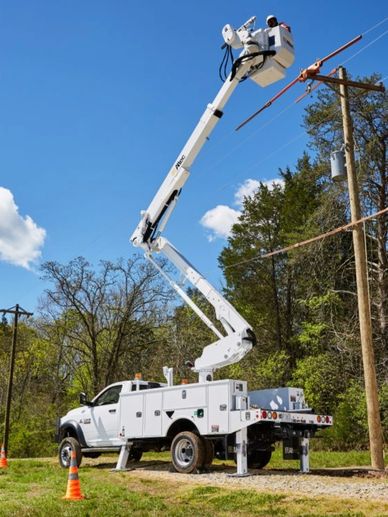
x,y
74,426
183,424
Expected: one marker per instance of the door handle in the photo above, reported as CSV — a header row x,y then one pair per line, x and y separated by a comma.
x,y
112,411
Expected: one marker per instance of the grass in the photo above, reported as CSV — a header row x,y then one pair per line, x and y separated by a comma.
x,y
318,459
36,487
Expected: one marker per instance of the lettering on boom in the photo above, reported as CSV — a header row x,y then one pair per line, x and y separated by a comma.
x,y
180,161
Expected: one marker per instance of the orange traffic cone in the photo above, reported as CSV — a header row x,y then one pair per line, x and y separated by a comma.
x,y
3,458
73,492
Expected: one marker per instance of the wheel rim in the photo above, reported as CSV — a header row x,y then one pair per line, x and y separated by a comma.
x,y
66,455
184,453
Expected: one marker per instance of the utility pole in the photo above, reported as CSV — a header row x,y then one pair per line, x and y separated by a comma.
x,y
17,311
372,402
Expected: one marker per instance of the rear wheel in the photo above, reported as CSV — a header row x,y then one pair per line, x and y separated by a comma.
x,y
259,459
66,446
209,452
134,456
187,452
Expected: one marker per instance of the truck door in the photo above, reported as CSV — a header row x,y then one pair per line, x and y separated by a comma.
x,y
100,421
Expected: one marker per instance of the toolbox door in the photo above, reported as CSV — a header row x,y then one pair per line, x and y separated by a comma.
x,y
132,415
153,414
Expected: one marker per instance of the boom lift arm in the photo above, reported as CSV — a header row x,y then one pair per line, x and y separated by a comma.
x,y
265,55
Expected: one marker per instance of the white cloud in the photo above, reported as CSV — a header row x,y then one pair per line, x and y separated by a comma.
x,y
247,189
21,239
272,183
219,220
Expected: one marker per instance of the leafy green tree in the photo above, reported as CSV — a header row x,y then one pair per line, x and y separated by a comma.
x,y
320,377
350,430
34,406
266,291
324,125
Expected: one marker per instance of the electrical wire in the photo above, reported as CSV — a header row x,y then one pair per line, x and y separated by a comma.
x,y
231,60
283,146
228,58
375,26
309,241
365,47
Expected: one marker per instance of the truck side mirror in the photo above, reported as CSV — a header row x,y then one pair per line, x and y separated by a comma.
x,y
83,399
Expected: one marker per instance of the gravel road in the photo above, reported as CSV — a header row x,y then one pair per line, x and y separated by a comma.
x,y
345,483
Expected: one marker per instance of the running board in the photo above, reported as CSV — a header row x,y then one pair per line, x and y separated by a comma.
x,y
100,449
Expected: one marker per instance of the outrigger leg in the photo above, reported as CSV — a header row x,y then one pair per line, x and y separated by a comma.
x,y
241,453
123,458
305,453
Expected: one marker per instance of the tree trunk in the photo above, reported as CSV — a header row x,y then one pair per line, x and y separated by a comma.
x,y
278,330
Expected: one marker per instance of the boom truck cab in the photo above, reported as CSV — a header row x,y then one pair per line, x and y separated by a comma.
x,y
198,420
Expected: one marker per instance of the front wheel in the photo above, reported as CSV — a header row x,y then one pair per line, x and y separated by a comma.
x,y
187,452
67,445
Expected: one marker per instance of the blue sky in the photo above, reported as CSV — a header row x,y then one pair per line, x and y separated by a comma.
x,y
97,99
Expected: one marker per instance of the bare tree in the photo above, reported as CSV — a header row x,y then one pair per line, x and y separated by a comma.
x,y
101,319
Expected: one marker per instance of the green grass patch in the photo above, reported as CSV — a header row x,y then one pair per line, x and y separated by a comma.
x,y
36,488
237,501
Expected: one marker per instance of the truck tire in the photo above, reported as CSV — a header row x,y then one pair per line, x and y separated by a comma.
x,y
187,452
67,445
209,453
259,459
134,456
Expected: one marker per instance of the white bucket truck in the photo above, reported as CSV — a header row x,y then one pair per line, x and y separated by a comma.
x,y
210,417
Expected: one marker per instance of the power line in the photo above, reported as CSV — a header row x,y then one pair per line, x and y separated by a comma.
x,y
375,26
309,241
364,47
